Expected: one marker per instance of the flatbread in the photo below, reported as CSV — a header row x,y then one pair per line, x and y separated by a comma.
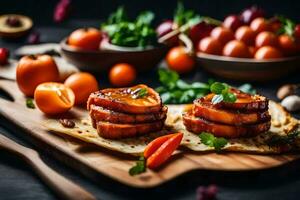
x,y
282,123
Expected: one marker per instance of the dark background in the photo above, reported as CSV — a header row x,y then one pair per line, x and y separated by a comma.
x,y
42,10
17,181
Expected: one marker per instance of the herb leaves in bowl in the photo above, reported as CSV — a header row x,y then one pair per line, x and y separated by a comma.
x,y
130,33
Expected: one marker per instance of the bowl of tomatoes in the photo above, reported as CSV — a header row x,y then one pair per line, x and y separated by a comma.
x,y
251,47
117,41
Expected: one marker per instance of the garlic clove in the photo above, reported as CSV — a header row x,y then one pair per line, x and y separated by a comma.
x,y
286,90
291,103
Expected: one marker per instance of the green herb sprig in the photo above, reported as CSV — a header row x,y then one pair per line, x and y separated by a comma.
x,y
288,139
176,91
139,93
210,140
287,27
222,93
30,103
130,33
139,167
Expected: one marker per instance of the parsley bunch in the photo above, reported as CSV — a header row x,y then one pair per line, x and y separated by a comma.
x,y
139,167
136,33
177,91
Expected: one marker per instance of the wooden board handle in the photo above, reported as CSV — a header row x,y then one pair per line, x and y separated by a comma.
x,y
63,187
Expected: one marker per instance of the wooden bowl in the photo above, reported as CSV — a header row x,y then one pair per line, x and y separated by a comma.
x,y
247,69
102,60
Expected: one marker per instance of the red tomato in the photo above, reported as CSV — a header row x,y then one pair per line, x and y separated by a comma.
x,y
232,22
200,31
267,52
85,38
122,75
210,45
259,25
4,54
245,34
179,60
222,34
266,39
236,48
287,44
252,51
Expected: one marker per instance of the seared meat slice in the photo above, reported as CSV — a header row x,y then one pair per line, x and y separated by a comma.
x,y
208,111
244,102
101,114
118,131
198,125
139,99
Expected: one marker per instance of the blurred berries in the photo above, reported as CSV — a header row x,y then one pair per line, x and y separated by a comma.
x,y
33,38
4,54
249,14
62,10
297,31
207,193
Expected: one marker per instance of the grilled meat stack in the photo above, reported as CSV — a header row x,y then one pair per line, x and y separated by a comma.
x,y
248,116
126,112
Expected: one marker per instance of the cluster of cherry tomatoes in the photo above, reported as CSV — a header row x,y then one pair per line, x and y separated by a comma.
x,y
250,35
247,35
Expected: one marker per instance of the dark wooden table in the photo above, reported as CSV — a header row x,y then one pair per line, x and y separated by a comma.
x,y
17,181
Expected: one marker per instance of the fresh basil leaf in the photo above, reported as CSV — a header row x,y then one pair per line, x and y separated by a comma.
x,y
217,99
145,17
207,139
247,88
229,97
139,167
219,143
168,78
140,92
217,87
30,103
198,85
182,85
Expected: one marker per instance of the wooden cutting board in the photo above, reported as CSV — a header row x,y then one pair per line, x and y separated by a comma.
x,y
94,161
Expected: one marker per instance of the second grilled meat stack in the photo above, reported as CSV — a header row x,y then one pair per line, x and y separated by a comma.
x,y
126,112
246,117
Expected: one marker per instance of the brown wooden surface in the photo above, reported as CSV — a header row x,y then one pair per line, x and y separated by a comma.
x,y
93,161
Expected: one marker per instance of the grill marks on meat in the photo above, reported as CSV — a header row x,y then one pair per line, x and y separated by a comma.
x,y
117,131
198,125
122,112
246,117
100,114
210,112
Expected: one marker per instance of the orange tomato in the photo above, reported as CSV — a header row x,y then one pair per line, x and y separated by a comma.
x,y
122,75
85,38
287,44
267,52
179,60
222,34
259,25
266,39
82,84
210,45
34,70
54,98
236,48
245,34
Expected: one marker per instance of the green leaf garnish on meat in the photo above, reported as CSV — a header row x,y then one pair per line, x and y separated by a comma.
x,y
139,93
212,141
139,167
222,93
